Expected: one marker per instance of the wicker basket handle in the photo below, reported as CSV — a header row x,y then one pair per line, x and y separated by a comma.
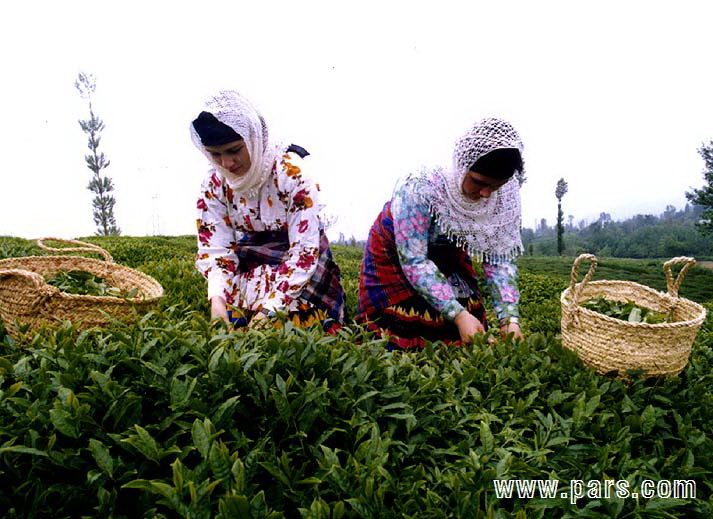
x,y
84,247
672,285
32,288
587,276
35,280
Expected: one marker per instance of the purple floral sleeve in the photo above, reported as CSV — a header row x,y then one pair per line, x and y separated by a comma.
x,y
412,226
502,282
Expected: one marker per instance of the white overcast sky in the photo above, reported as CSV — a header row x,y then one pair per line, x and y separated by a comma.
x,y
614,96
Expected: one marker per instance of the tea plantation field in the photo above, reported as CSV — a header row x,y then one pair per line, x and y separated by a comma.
x,y
175,416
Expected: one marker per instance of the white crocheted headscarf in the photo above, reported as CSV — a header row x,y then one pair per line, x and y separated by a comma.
x,y
231,108
489,228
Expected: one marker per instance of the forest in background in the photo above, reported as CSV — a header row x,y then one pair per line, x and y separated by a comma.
x,y
671,233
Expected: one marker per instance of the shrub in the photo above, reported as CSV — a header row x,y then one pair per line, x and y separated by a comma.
x,y
176,417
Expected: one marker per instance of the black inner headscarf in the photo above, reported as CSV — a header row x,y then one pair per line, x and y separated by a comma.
x,y
499,164
212,132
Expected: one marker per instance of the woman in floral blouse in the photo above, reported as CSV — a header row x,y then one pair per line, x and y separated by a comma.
x,y
417,279
261,244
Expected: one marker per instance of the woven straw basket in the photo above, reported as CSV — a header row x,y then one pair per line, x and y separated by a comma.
x,y
608,344
25,297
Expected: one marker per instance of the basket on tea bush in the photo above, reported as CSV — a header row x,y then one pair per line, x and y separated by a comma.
x,y
26,297
608,344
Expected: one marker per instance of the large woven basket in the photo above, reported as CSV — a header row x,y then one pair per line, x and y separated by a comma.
x,y
26,298
612,345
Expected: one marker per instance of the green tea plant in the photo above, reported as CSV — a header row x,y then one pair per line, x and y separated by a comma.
x,y
176,416
11,247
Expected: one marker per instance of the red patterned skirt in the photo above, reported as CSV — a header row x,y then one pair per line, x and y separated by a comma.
x,y
388,303
409,324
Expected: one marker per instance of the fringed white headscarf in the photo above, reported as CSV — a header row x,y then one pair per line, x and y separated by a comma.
x,y
231,108
488,228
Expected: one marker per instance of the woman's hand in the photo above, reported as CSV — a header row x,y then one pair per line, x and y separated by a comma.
x,y
258,321
468,325
219,309
511,328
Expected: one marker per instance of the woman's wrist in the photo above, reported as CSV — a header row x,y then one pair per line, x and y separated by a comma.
x,y
506,321
452,309
462,315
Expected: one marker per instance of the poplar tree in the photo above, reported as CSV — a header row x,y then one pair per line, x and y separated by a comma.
x,y
704,196
559,193
100,184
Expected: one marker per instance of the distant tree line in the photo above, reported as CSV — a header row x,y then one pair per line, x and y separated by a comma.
x,y
686,232
671,233
351,242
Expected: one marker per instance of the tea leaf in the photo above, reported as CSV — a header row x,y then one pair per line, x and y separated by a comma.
x,y
219,460
234,506
144,443
201,438
486,437
635,315
101,455
155,487
21,449
592,405
64,422
648,419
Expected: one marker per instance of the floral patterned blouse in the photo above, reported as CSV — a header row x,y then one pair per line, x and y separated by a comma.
x,y
286,202
414,229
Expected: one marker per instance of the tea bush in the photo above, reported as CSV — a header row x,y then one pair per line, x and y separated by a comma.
x,y
176,417
697,285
